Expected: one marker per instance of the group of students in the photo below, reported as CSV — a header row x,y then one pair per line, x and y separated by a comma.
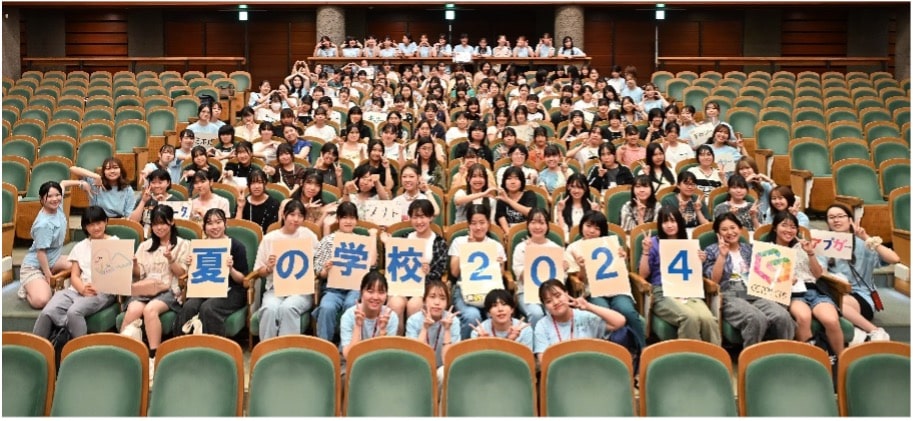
x,y
389,48
481,198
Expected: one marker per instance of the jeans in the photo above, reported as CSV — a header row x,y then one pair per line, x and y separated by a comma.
x,y
333,302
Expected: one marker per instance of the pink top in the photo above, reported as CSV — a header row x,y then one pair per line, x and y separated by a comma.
x,y
628,155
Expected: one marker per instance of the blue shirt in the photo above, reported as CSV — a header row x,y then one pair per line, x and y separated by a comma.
x,y
301,144
866,262
713,251
347,325
435,336
407,49
636,94
48,233
117,203
525,338
585,325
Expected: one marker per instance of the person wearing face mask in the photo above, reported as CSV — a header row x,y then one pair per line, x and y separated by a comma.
x,y
272,112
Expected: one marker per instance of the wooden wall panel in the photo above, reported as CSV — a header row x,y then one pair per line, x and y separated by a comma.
x,y
223,39
269,51
96,33
679,38
819,32
183,39
722,39
599,41
304,36
634,48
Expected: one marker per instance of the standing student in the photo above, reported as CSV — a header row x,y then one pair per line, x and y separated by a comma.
x,y
570,318
435,325
44,256
727,264
281,316
501,323
214,311
69,307
691,316
369,317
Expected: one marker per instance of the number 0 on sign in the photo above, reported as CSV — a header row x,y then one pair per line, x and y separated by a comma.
x,y
539,265
680,268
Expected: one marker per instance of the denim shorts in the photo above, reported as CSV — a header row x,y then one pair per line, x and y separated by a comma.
x,y
813,297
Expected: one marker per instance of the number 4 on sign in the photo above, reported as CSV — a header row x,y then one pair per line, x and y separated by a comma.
x,y
680,268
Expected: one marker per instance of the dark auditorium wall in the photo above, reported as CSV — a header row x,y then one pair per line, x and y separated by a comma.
x,y
12,49
276,36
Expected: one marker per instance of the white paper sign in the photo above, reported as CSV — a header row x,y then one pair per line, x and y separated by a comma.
x,y
700,133
351,260
838,245
208,274
204,139
404,257
681,269
181,208
382,212
540,264
462,57
771,272
605,270
112,266
294,273
480,271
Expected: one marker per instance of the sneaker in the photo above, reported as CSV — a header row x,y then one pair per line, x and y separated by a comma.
x,y
859,336
879,335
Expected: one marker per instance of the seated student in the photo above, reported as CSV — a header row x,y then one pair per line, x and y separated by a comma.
x,y
380,165
204,127
556,172
807,300
224,148
320,128
420,214
282,315
459,130
238,172
643,207
200,163
859,306
537,228
675,148
259,207
300,148
708,174
727,264
631,151
782,199
570,318
514,202
478,218
500,306
110,191
687,200
655,167
477,141
608,173
334,300
588,150
69,307
413,188
157,185
691,315
738,205
369,317
167,161
205,199
434,324
595,225
265,146
726,155
213,311
285,171
518,157
160,262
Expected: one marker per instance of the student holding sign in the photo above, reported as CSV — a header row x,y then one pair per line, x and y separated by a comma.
x,y
282,315
727,264
214,311
334,300
435,325
369,317
160,261
69,307
807,300
420,214
500,306
537,227
595,225
479,224
860,305
570,318
691,315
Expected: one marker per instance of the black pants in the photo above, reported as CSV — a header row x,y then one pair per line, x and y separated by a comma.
x,y
212,311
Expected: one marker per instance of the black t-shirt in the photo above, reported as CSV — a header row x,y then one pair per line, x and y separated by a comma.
x,y
239,262
528,199
263,214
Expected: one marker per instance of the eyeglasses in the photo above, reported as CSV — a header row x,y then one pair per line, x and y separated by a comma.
x,y
836,217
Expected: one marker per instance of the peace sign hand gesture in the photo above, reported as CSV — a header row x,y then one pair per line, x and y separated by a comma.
x,y
515,330
479,330
447,320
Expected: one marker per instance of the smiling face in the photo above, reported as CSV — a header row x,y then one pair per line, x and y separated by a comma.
x,y
96,229
786,231
162,230
202,187
687,187
537,226
670,228
113,171
373,298
705,158
500,312
556,303
838,220
730,232
214,227
478,227
642,193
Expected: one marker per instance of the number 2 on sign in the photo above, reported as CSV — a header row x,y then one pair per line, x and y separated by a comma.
x,y
679,265
603,274
478,274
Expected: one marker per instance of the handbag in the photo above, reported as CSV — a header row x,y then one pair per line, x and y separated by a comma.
x,y
226,91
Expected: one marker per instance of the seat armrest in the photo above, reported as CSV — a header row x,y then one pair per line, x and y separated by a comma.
x,y
853,201
58,279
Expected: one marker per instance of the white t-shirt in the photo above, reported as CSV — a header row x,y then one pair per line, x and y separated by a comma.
x,y
82,255
327,132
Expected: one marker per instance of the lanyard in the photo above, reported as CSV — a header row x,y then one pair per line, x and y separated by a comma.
x,y
437,337
558,332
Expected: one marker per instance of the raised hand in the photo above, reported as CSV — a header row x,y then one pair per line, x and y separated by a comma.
x,y
360,317
724,246
427,321
447,320
479,330
515,330
383,320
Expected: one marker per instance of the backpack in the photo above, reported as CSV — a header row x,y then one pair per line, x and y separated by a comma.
x,y
625,337
59,337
